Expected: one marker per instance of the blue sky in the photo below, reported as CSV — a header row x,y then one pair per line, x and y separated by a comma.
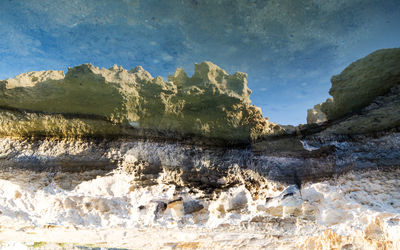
x,y
289,48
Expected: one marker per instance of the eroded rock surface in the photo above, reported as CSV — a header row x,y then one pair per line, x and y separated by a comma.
x,y
89,101
330,184
358,210
360,83
315,115
382,114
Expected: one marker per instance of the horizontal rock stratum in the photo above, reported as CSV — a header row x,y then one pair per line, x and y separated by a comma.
x,y
88,101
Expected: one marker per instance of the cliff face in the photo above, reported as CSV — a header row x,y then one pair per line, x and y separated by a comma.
x,y
359,84
121,193
333,184
89,101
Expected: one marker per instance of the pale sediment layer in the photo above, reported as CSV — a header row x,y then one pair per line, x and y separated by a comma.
x,y
358,210
88,101
336,192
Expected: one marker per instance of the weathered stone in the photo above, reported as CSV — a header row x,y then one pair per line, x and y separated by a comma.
x,y
192,206
89,101
315,115
383,113
177,207
362,81
164,185
159,209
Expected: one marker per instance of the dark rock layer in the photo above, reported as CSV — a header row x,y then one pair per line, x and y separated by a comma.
x,y
368,138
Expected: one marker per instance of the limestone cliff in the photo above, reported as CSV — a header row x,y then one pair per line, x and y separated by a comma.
x,y
359,84
88,101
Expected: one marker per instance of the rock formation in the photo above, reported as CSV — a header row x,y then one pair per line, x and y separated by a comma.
x,y
359,84
332,183
316,115
89,101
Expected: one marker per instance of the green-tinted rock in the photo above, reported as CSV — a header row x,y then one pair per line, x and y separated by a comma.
x,y
211,103
362,81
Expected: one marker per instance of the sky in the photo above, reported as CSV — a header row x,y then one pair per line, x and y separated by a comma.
x,y
289,48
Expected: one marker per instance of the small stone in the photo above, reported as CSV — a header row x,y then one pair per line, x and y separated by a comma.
x,y
192,206
177,208
17,195
160,208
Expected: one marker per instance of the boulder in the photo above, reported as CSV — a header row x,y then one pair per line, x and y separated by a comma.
x,y
361,82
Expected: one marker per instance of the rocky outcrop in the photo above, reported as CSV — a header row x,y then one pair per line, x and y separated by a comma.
x,y
382,114
360,84
89,101
366,99
315,115
333,183
119,102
